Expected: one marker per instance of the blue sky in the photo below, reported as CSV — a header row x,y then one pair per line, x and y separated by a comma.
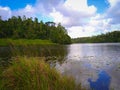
x,y
101,5
16,4
80,17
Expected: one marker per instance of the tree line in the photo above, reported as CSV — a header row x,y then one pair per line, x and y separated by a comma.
x,y
29,28
103,38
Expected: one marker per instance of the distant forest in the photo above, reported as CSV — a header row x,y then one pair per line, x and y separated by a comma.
x,y
27,28
103,38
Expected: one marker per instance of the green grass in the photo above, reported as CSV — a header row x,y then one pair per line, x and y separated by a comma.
x,y
34,74
17,42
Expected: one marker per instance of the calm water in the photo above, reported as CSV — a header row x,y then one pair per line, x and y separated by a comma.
x,y
96,66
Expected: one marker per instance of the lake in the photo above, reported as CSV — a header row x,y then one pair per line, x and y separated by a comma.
x,y
95,66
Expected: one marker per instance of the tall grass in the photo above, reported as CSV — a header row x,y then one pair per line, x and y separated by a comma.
x,y
18,42
51,52
28,70
34,74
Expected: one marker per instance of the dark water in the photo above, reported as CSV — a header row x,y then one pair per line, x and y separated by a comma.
x,y
54,53
96,66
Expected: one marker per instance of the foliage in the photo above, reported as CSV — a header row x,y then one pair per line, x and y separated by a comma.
x,y
103,38
34,74
27,28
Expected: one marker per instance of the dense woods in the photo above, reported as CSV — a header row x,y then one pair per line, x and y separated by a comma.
x,y
103,38
29,28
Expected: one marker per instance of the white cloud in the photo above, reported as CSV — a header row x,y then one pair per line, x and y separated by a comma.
x,y
29,8
100,23
79,31
96,25
73,13
28,11
46,6
69,13
113,2
79,6
113,13
5,12
58,17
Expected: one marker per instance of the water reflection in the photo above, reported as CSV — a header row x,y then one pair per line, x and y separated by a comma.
x,y
99,62
56,53
102,83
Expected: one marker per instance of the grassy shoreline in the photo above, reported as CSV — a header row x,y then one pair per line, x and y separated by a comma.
x,y
20,42
29,72
34,74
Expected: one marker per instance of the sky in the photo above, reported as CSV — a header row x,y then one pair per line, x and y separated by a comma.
x,y
81,18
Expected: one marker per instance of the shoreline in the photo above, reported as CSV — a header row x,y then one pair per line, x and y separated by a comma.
x,y
22,42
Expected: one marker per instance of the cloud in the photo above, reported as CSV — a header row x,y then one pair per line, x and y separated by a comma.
x,y
73,13
96,25
48,5
79,6
70,13
28,11
99,23
113,12
42,7
80,31
5,12
113,2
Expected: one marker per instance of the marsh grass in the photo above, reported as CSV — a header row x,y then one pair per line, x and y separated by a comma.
x,y
34,74
28,70
54,52
20,42
30,50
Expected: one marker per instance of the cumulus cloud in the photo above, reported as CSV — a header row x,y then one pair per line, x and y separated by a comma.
x,y
28,11
75,16
113,12
41,8
79,6
5,12
79,31
73,13
48,5
100,23
69,12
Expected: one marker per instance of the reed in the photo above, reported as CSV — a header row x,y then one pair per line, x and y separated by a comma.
x,y
34,74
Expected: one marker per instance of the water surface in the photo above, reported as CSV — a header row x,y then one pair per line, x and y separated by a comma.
x,y
96,66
